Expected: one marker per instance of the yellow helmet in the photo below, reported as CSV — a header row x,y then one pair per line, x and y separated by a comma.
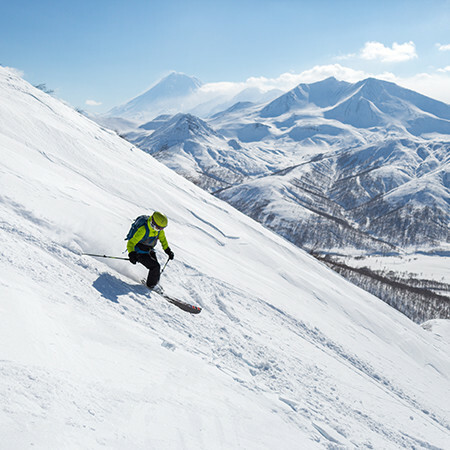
x,y
159,220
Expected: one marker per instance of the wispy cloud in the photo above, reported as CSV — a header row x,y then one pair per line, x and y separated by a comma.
x,y
435,84
443,47
93,103
289,80
338,71
396,53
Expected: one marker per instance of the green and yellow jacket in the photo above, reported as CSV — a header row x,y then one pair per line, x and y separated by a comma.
x,y
145,239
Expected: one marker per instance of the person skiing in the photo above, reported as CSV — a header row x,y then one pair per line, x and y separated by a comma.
x,y
141,246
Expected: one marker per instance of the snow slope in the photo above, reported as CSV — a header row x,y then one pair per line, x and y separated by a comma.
x,y
285,354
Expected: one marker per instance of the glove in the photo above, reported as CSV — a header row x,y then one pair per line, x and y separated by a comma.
x,y
169,253
133,257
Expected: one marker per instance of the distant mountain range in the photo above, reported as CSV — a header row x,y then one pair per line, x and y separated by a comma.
x,y
329,165
176,93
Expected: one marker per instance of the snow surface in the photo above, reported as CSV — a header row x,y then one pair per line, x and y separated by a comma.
x,y
285,354
416,265
439,327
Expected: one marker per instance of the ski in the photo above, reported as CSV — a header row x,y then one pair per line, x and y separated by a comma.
x,y
193,309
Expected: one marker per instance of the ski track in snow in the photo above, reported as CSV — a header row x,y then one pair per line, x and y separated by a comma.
x,y
264,370
209,224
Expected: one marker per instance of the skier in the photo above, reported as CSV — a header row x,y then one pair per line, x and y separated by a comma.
x,y
141,244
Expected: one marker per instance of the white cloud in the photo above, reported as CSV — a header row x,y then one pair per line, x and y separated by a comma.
x,y
286,81
338,71
435,85
443,48
93,103
222,87
398,52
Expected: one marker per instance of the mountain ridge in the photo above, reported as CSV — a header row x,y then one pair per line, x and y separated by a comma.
x,y
376,137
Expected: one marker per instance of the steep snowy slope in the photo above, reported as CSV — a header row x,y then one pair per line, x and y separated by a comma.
x,y
285,354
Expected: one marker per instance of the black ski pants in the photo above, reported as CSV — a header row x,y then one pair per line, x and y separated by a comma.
x,y
154,269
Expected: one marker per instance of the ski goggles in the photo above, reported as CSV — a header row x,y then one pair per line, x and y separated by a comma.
x,y
155,226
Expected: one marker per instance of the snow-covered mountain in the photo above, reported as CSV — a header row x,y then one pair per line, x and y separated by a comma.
x,y
166,96
285,354
365,104
190,146
330,164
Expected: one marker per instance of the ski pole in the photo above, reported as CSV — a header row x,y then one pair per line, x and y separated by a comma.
x,y
105,256
164,266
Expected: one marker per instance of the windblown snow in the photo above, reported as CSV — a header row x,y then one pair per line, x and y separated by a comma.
x,y
286,354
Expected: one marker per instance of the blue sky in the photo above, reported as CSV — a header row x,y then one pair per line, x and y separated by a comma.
x,y
108,51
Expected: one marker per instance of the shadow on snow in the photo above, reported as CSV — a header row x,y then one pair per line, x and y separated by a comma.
x,y
112,288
